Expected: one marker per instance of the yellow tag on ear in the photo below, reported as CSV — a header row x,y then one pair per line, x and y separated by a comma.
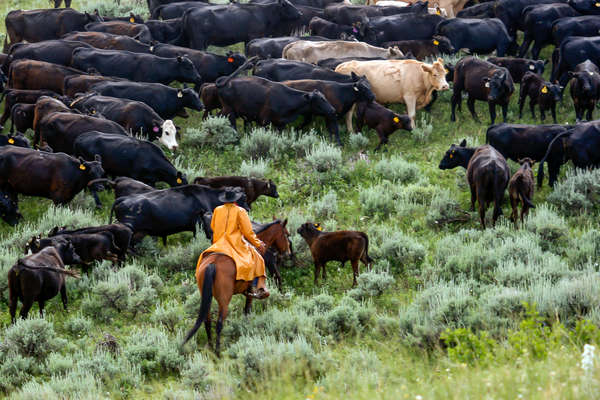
x,y
11,141
597,4
319,228
446,70
82,167
544,89
438,12
132,20
93,111
179,181
396,119
451,156
435,42
16,272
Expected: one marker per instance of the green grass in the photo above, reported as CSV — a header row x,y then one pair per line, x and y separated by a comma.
x,y
384,358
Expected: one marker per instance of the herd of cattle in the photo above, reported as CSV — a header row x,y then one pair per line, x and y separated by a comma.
x,y
96,93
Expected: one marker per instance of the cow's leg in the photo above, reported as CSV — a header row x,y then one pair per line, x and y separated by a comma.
x,y
542,113
354,271
525,46
514,204
324,275
471,106
96,198
473,196
317,271
349,119
535,51
411,109
522,98
553,171
27,303
589,113
480,199
532,104
498,197
492,108
63,296
13,299
504,111
455,100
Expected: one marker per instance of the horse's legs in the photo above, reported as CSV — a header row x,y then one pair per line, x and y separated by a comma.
x,y
207,327
223,309
248,306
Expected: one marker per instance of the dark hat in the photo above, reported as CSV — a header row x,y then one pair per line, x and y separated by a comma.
x,y
230,196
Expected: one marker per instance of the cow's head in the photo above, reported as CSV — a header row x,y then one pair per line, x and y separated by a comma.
x,y
92,170
9,210
18,140
187,70
443,44
552,91
585,6
135,18
271,189
234,60
166,133
456,156
180,179
394,53
587,82
536,66
363,88
309,230
319,104
66,251
190,99
436,74
497,84
401,122
287,11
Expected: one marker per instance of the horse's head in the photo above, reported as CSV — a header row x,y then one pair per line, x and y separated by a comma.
x,y
281,238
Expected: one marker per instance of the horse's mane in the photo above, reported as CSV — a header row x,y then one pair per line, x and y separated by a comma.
x,y
262,228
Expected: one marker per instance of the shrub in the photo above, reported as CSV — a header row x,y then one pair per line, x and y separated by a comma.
x,y
317,304
464,346
422,132
584,249
33,337
325,157
358,142
387,326
263,143
532,337
78,325
154,351
183,257
215,132
326,206
57,364
578,192
15,370
371,284
254,168
444,210
397,169
168,316
116,9
196,372
75,385
551,228
302,143
377,200
397,247
347,319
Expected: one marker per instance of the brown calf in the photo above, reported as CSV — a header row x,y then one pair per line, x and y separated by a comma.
x,y
382,119
520,189
336,246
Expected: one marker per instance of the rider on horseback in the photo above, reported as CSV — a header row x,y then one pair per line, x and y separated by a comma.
x,y
232,230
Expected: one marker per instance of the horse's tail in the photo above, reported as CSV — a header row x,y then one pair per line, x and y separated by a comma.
x,y
209,278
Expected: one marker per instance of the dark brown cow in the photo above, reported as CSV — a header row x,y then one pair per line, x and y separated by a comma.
x,y
108,41
15,96
487,174
540,92
39,277
74,84
37,75
340,246
126,28
58,51
125,186
382,119
44,106
56,176
210,98
251,186
520,189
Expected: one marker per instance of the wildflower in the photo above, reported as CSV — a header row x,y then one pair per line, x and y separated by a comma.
x,y
587,357
418,397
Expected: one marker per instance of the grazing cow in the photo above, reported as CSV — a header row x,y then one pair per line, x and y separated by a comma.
x,y
125,186
280,70
518,67
538,20
266,48
18,140
168,102
126,28
108,41
332,63
61,129
423,49
572,52
482,81
210,66
586,25
481,10
266,102
135,66
51,51
382,119
128,156
136,117
539,92
121,235
165,31
79,84
520,189
210,98
212,25
252,187
481,36
55,176
585,89
300,25
44,106
487,174
39,25
153,214
401,27
21,116
39,277
339,246
39,75
9,209
331,30
345,14
313,52
342,96
407,81
528,141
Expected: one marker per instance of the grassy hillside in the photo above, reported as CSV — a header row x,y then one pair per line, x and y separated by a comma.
x,y
449,311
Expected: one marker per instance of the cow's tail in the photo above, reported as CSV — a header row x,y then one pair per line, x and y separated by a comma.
x,y
156,12
525,199
74,274
369,259
221,82
102,181
541,167
111,212
207,286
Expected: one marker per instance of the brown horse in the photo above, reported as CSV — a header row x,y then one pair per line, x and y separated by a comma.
x,y
216,277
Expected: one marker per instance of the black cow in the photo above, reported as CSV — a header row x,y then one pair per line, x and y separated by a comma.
x,y
587,25
45,106
267,102
125,186
136,117
79,84
137,31
481,36
213,25
121,234
153,214
280,70
60,129
481,10
537,23
18,140
252,187
322,27
168,102
332,63
402,27
128,156
518,67
9,209
266,48
177,9
56,176
585,89
422,49
39,75
585,6
16,96
487,173
135,66
482,81
39,25
520,141
131,18
346,14
383,120
539,92
210,66
210,98
108,41
165,31
307,3
39,277
572,52
52,51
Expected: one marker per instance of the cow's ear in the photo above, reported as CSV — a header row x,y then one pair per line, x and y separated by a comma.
x,y
81,160
463,143
98,158
306,96
179,59
354,76
426,68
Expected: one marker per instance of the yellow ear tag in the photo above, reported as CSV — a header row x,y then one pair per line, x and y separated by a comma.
x,y
11,141
597,4
396,119
82,167
438,12
16,273
132,20
179,181
451,156
319,228
544,89
435,42
93,111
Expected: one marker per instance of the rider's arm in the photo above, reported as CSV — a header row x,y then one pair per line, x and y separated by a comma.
x,y
246,228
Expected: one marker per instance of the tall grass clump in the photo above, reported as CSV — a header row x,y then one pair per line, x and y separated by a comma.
x,y
215,132
372,284
326,206
422,132
325,158
551,228
154,351
377,200
358,142
445,210
578,193
120,8
397,169
263,143
255,168
396,247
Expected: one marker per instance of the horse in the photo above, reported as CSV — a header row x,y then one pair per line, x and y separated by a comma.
x,y
216,277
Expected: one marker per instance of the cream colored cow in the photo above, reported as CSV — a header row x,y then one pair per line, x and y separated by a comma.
x,y
313,52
